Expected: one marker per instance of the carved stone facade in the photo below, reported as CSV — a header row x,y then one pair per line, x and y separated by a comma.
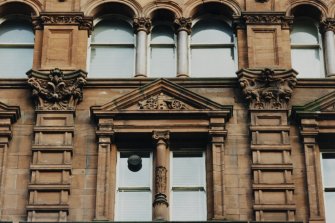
x,y
261,132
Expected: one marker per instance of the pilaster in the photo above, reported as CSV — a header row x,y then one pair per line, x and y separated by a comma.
x,y
268,92
55,95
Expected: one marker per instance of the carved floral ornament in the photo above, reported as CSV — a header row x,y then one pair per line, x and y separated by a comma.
x,y
142,24
183,24
267,89
271,18
327,25
84,22
57,91
162,102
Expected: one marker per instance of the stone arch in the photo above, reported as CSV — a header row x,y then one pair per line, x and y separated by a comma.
x,y
91,8
170,6
192,5
331,10
34,5
319,5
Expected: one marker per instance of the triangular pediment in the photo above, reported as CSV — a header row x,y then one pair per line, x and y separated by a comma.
x,y
162,95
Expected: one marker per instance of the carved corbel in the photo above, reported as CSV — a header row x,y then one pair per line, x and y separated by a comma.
x,y
55,18
266,88
56,90
183,24
142,24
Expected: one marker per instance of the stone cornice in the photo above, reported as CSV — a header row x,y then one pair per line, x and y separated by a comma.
x,y
142,24
263,18
63,18
183,24
266,88
56,91
327,25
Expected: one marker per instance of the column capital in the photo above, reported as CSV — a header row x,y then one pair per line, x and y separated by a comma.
x,y
327,25
183,24
267,88
161,136
142,24
56,90
63,18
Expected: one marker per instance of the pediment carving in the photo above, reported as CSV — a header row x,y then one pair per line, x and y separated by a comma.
x,y
162,95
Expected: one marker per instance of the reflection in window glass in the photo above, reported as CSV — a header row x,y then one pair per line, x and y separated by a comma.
x,y
112,49
16,44
212,49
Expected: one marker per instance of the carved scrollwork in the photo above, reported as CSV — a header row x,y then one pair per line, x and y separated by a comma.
x,y
183,24
161,136
142,24
267,89
162,102
55,91
327,25
83,22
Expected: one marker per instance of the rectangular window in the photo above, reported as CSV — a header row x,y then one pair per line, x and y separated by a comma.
x,y
134,192
188,183
328,167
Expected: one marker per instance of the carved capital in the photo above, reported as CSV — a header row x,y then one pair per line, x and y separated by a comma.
x,y
327,25
53,18
56,90
266,88
183,24
161,102
161,136
142,24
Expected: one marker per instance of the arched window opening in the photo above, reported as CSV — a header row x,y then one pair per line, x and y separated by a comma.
x,y
16,46
112,48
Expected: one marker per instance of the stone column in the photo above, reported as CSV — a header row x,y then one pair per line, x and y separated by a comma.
x,y
142,27
268,92
160,204
309,132
328,27
183,30
55,96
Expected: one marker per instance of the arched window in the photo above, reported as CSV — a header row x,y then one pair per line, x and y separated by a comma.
x,y
112,48
306,48
162,51
213,52
16,47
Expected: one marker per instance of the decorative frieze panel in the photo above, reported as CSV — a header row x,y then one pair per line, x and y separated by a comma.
x,y
267,88
58,18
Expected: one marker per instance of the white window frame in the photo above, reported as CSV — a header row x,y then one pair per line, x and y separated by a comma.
x,y
151,45
91,44
129,189
232,45
318,47
187,188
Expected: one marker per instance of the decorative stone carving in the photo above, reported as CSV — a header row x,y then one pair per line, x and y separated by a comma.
x,y
161,135
327,25
142,24
57,91
261,18
183,24
84,22
162,102
267,89
160,181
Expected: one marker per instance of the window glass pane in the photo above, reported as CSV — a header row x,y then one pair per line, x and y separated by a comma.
x,y
328,169
188,206
128,178
162,34
10,67
16,31
163,62
212,62
188,170
113,31
330,204
134,206
307,62
112,61
211,31
304,31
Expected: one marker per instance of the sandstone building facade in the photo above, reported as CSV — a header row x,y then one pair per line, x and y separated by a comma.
x,y
186,110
